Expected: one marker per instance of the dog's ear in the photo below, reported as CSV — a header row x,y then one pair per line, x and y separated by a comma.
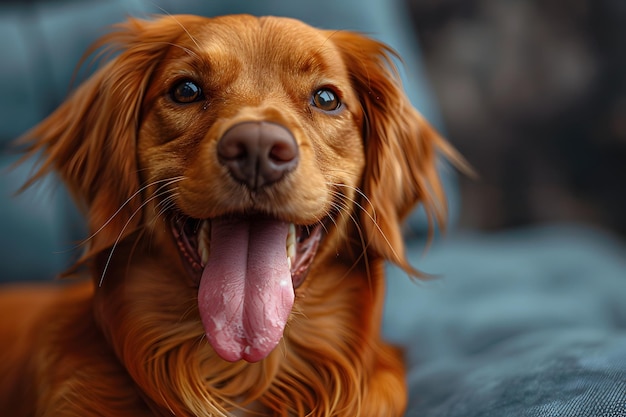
x,y
90,140
401,149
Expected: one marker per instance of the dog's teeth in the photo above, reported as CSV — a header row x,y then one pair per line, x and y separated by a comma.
x,y
204,241
204,257
291,237
291,244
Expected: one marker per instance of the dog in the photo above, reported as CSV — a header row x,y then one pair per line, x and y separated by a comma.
x,y
244,180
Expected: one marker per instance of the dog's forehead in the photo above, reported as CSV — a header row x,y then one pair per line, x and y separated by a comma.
x,y
259,31
268,41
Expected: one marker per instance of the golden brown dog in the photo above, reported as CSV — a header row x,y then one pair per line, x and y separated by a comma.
x,y
244,180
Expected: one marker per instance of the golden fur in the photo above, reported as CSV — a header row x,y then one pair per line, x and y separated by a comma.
x,y
123,337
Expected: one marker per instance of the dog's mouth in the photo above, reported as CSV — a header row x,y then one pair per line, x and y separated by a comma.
x,y
194,239
246,269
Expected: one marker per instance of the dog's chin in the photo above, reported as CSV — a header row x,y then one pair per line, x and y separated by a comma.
x,y
246,270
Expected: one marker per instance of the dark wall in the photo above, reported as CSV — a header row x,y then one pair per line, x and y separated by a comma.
x,y
533,92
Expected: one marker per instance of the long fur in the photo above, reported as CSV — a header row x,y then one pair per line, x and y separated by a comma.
x,y
123,337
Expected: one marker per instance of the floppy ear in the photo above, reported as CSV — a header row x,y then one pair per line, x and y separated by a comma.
x,y
401,150
90,140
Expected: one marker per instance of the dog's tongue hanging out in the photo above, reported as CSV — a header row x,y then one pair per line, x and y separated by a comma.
x,y
246,292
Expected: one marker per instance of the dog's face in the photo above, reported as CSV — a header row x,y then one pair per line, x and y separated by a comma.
x,y
226,158
251,136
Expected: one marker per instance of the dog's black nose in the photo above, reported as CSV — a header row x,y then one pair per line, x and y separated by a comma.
x,y
258,153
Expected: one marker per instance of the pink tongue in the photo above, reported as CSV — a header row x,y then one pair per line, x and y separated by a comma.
x,y
246,293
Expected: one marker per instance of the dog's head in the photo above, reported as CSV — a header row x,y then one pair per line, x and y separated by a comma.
x,y
256,148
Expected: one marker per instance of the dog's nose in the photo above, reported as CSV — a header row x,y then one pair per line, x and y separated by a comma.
x,y
258,153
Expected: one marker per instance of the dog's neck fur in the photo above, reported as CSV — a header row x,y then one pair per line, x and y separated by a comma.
x,y
166,354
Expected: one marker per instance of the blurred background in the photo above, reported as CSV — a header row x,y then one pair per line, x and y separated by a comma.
x,y
533,93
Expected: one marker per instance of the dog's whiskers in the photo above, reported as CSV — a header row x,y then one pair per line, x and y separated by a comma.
x,y
168,181
159,192
166,203
343,208
195,42
372,216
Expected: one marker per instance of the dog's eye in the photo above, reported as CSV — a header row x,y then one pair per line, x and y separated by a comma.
x,y
326,99
186,92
